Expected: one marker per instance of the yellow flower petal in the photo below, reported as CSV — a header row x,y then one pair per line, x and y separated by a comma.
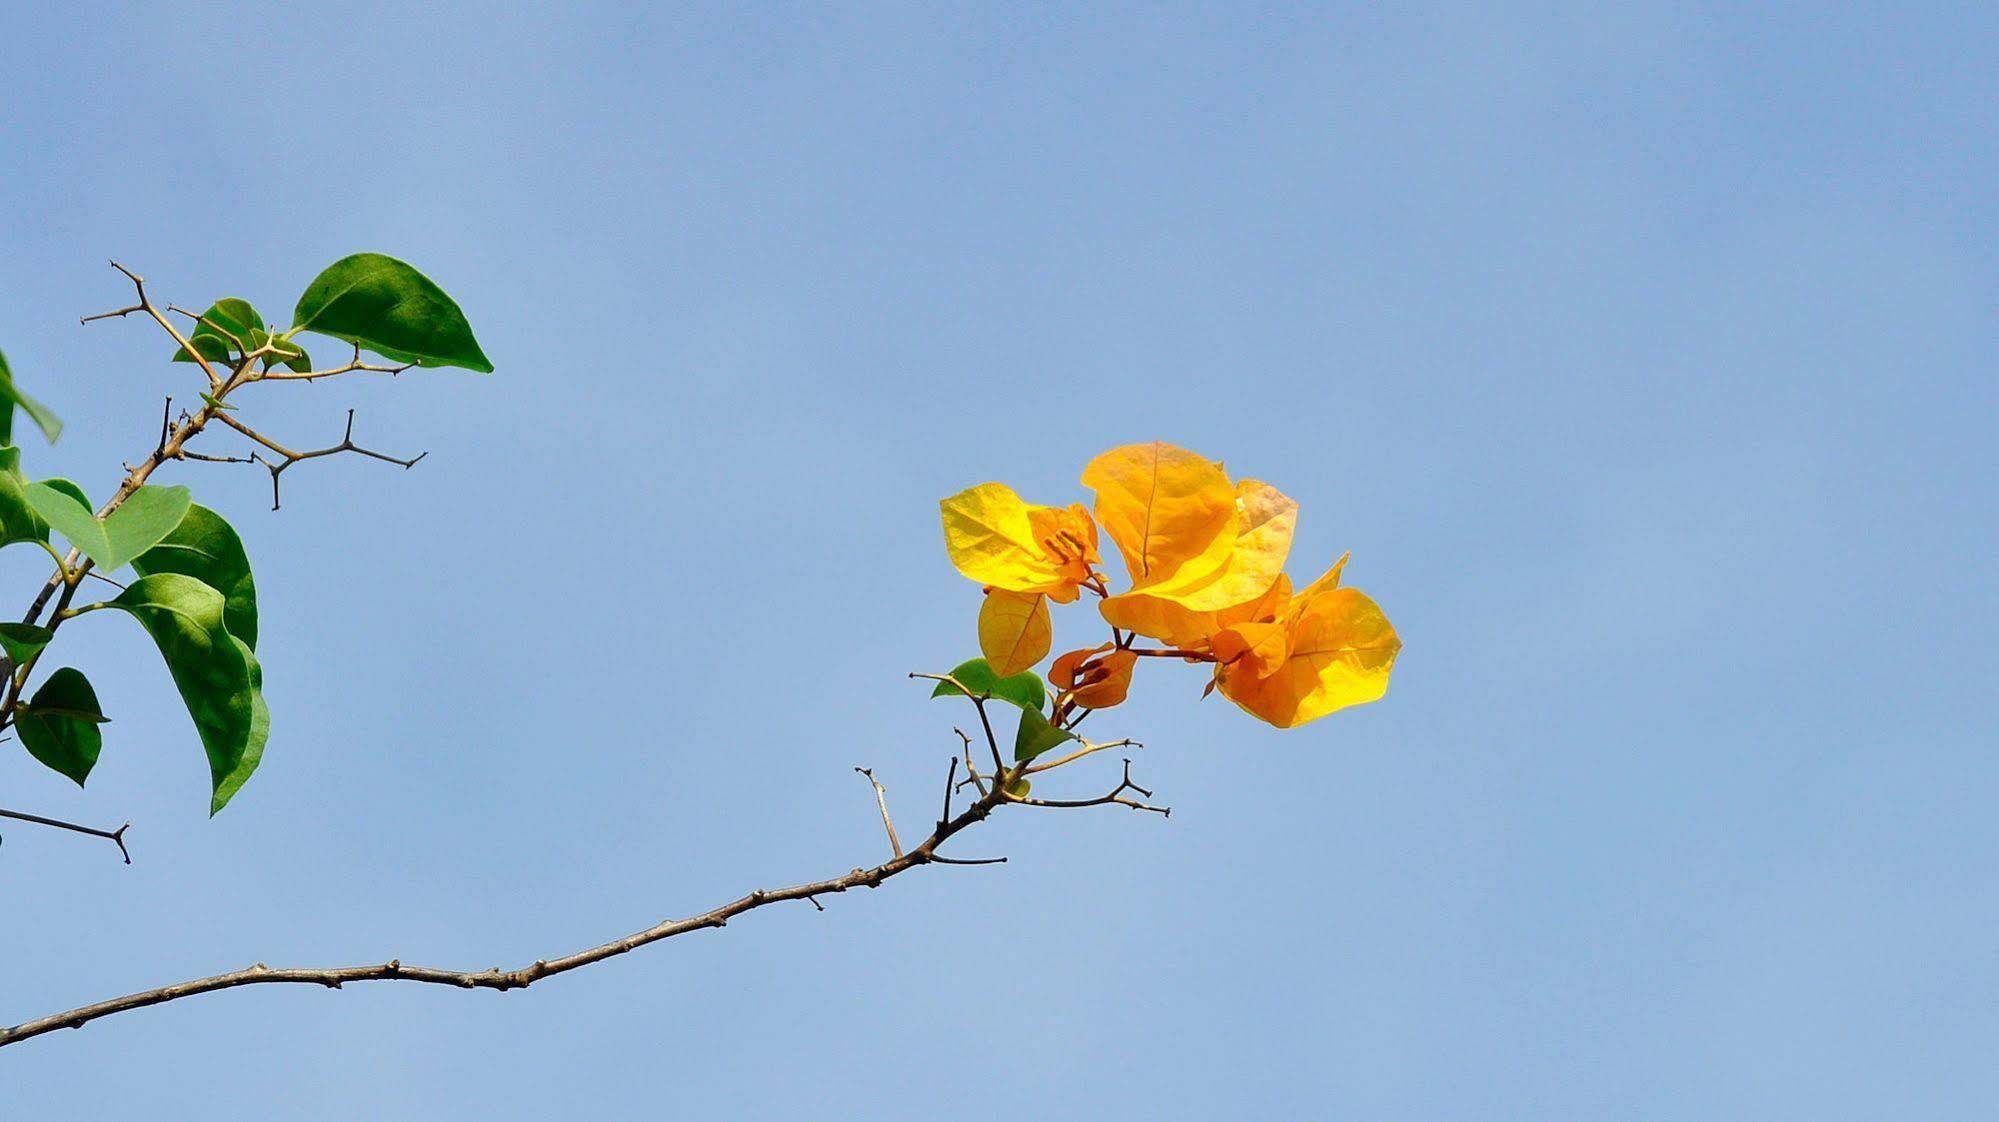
x,y
997,539
1256,649
1158,619
1014,631
1165,508
1265,521
1342,650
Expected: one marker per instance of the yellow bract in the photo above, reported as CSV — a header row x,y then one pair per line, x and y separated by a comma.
x,y
1171,513
998,539
1340,651
1265,521
1014,630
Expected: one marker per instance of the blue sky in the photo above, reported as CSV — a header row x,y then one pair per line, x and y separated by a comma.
x,y
1643,359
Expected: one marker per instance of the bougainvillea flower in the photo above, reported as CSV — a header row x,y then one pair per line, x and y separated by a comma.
x,y
1095,677
999,540
1337,650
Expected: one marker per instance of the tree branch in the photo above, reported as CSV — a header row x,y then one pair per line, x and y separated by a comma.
x,y
290,457
496,979
117,835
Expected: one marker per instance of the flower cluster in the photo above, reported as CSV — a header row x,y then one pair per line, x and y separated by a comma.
x,y
1206,560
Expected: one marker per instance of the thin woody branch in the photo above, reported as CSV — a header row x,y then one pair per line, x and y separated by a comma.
x,y
991,798
145,305
925,853
355,365
117,835
1116,797
881,800
288,457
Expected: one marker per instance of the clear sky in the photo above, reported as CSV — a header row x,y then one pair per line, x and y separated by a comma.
x,y
1643,358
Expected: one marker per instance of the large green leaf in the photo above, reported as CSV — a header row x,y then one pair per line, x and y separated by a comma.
x,y
59,726
149,515
375,301
225,318
22,641
1036,736
204,546
217,677
11,398
253,750
1023,689
18,520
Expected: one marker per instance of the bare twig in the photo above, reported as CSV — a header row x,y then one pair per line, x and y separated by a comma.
x,y
289,457
949,778
881,800
1115,797
353,366
117,835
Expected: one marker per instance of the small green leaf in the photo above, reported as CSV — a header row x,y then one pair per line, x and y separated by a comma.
x,y
214,402
375,301
1023,689
218,678
59,727
148,516
287,353
11,398
1036,736
1019,788
224,318
204,546
23,640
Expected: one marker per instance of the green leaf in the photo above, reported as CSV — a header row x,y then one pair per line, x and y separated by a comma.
x,y
253,751
286,353
18,520
11,398
218,678
231,315
72,490
1023,689
375,301
148,516
59,727
204,546
23,640
1036,736
1020,787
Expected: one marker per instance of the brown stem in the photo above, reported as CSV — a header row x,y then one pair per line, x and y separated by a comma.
x,y
497,979
117,835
